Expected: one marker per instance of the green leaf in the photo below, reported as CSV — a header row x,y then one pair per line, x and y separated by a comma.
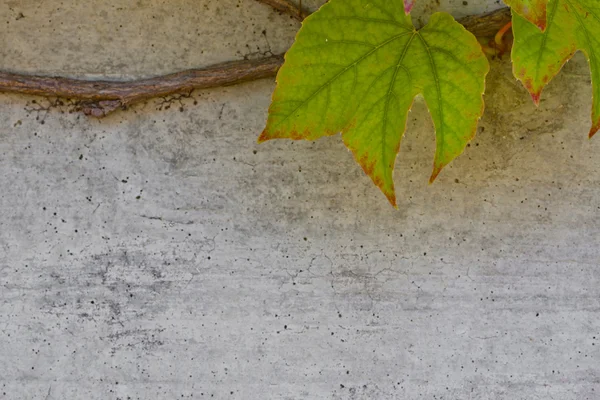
x,y
356,67
539,56
533,10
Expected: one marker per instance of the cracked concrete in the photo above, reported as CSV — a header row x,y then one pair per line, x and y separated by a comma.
x,y
161,253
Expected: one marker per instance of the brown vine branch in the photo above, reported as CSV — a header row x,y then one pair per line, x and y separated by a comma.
x,y
100,98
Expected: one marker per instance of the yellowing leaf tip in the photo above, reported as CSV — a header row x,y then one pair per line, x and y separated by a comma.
x,y
436,171
536,98
263,137
595,128
392,199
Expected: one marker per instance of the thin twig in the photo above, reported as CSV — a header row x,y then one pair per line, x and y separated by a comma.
x,y
483,25
486,25
287,7
100,98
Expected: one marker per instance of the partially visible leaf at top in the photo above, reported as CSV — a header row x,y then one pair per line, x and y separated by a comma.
x,y
408,5
356,67
538,56
532,10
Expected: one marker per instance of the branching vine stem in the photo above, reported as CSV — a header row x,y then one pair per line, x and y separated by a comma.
x,y
100,98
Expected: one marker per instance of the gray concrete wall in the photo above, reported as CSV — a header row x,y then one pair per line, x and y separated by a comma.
x,y
162,254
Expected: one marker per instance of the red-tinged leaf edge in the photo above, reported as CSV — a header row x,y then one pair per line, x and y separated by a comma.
x,y
408,5
263,137
595,129
541,20
436,171
535,93
538,19
368,170
536,98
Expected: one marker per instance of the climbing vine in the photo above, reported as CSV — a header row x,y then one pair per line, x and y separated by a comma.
x,y
357,65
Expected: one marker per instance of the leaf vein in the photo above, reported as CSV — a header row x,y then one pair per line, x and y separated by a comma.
x,y
359,60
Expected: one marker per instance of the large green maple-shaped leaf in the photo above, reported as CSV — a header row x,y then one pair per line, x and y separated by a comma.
x,y
532,10
538,56
356,67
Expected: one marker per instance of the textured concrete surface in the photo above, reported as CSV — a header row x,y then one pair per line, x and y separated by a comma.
x,y
162,254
